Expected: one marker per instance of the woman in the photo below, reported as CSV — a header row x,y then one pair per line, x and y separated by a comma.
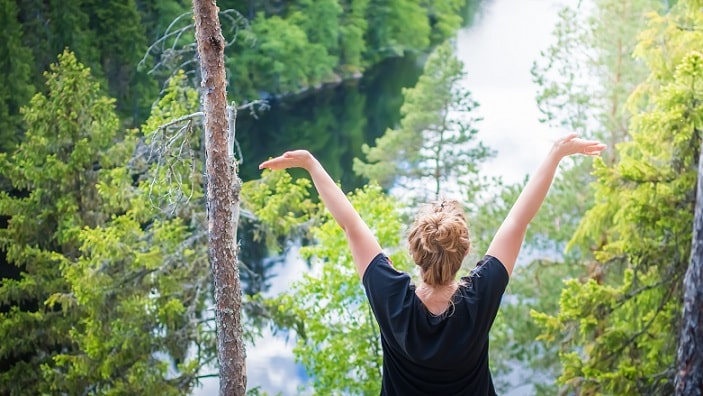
x,y
435,336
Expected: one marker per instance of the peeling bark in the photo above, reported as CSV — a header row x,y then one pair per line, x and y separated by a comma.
x,y
223,187
689,359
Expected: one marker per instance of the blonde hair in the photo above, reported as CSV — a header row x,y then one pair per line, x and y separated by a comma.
x,y
439,241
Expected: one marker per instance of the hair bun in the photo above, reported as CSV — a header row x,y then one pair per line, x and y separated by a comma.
x,y
439,240
442,230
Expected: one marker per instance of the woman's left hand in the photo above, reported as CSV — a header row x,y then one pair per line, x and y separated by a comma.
x,y
290,159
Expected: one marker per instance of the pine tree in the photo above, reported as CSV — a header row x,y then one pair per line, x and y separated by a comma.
x,y
610,328
436,140
141,280
223,200
16,65
120,40
53,174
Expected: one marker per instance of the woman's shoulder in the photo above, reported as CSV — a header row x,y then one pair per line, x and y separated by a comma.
x,y
488,269
490,264
381,269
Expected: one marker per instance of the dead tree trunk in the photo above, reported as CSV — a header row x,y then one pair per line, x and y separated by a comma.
x,y
223,188
689,359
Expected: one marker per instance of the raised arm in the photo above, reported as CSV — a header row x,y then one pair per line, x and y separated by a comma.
x,y
364,246
509,237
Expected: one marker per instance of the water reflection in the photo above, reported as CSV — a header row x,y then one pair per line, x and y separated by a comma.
x,y
332,123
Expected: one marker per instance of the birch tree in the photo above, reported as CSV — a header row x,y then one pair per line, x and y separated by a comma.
x,y
223,188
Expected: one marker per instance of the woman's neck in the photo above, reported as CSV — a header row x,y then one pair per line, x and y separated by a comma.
x,y
436,298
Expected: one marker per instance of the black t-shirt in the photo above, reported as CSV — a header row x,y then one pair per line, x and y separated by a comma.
x,y
426,354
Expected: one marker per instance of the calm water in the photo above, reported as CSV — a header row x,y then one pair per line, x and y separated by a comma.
x,y
498,51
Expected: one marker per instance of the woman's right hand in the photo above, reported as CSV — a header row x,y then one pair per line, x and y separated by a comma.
x,y
290,159
570,145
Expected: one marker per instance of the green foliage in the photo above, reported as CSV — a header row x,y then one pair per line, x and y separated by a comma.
x,y
534,287
157,15
353,26
445,18
584,79
338,340
435,142
291,46
107,37
282,59
610,327
319,19
141,292
396,26
535,284
280,205
69,29
298,45
112,282
53,171
15,76
141,281
120,39
570,196
587,75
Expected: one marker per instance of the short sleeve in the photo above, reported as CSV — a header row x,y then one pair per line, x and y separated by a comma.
x,y
486,284
389,293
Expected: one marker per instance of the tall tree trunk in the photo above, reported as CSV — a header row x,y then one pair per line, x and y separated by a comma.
x,y
223,188
689,359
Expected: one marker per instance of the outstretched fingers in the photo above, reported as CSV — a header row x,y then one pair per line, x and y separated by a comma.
x,y
289,159
268,164
571,144
593,148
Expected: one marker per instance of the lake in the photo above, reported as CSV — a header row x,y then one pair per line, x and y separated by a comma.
x,y
498,50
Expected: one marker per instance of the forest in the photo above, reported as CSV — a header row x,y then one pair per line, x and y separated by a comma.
x,y
105,284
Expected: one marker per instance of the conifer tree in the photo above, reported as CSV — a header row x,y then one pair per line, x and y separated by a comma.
x,y
436,140
53,174
610,328
120,39
16,63
141,280
223,200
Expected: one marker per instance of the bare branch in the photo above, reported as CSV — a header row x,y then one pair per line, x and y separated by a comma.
x,y
179,120
168,49
170,147
159,44
255,106
214,375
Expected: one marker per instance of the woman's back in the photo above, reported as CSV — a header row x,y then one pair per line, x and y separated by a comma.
x,y
427,354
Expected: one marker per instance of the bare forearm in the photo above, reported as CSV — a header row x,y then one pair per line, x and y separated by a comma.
x,y
332,196
534,193
362,242
509,237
